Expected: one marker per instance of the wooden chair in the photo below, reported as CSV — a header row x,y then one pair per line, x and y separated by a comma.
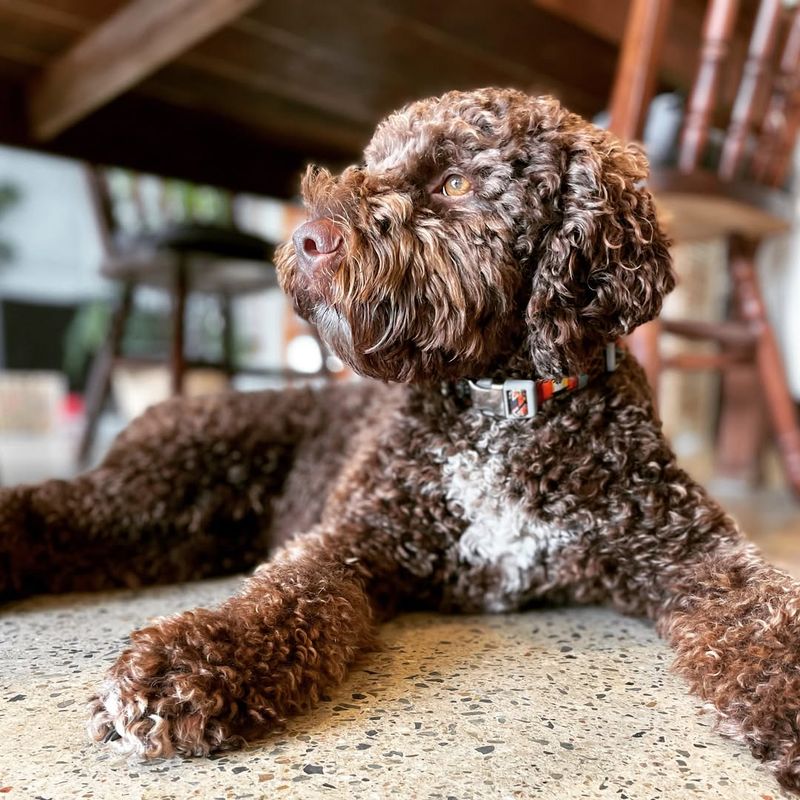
x,y
740,198
180,255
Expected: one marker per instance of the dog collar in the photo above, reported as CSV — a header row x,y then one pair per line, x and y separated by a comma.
x,y
521,399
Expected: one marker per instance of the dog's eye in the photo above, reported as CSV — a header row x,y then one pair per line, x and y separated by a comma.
x,y
456,186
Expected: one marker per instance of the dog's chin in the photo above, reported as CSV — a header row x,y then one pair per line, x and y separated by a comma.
x,y
337,333
333,329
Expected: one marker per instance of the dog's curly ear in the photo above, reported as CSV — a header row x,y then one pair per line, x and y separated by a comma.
x,y
602,265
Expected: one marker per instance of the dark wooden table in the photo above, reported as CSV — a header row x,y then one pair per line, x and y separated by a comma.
x,y
242,93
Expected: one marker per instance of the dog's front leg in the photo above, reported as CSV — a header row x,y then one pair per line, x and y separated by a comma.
x,y
732,619
205,679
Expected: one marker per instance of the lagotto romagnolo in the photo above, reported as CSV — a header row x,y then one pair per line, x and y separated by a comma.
x,y
489,249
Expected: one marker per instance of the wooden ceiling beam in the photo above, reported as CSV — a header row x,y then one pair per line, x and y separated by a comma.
x,y
148,135
129,46
283,122
602,18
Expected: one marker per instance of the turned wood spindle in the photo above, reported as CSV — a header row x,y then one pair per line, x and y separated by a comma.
x,y
717,31
782,121
756,70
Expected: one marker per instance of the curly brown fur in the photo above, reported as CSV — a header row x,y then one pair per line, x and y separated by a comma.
x,y
436,287
736,627
201,680
401,493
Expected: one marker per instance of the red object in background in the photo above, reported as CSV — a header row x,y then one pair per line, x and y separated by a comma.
x,y
72,406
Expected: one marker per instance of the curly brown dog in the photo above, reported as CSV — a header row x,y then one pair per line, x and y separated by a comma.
x,y
479,264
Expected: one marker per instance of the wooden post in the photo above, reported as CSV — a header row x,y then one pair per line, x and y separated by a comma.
x,y
228,336
634,85
637,67
756,68
776,144
779,402
717,31
98,383
178,356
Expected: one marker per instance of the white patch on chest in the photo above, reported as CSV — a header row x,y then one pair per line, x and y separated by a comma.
x,y
502,533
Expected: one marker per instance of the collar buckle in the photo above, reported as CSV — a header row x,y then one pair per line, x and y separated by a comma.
x,y
519,399
511,399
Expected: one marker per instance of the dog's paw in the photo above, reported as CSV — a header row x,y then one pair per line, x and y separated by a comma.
x,y
787,768
175,691
136,724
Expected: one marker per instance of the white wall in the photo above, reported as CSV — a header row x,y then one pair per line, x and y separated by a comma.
x,y
57,248
779,268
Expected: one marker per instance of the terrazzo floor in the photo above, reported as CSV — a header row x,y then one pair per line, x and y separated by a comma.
x,y
561,704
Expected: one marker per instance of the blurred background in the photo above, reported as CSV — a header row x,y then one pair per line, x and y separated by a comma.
x,y
149,160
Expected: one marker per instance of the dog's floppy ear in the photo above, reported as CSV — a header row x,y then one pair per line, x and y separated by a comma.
x,y
602,266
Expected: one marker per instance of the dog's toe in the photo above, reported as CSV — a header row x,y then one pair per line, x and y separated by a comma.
x,y
130,724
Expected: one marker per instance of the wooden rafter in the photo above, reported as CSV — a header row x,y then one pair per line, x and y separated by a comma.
x,y
602,18
141,37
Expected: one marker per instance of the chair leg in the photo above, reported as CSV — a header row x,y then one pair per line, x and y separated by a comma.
x,y
780,405
644,344
99,380
178,355
742,426
228,335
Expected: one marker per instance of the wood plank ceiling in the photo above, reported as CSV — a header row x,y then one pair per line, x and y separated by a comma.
x,y
252,89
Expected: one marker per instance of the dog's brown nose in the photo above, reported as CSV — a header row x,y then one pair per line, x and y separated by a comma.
x,y
318,244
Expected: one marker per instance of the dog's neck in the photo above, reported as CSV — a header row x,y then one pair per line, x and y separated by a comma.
x,y
513,392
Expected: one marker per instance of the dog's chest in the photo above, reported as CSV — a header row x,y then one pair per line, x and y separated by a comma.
x,y
503,539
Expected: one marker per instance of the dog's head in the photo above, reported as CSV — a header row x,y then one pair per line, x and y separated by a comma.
x,y
478,221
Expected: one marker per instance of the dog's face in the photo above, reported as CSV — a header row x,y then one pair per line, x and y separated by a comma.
x,y
478,221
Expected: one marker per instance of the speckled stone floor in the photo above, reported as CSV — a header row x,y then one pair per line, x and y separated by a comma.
x,y
560,704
